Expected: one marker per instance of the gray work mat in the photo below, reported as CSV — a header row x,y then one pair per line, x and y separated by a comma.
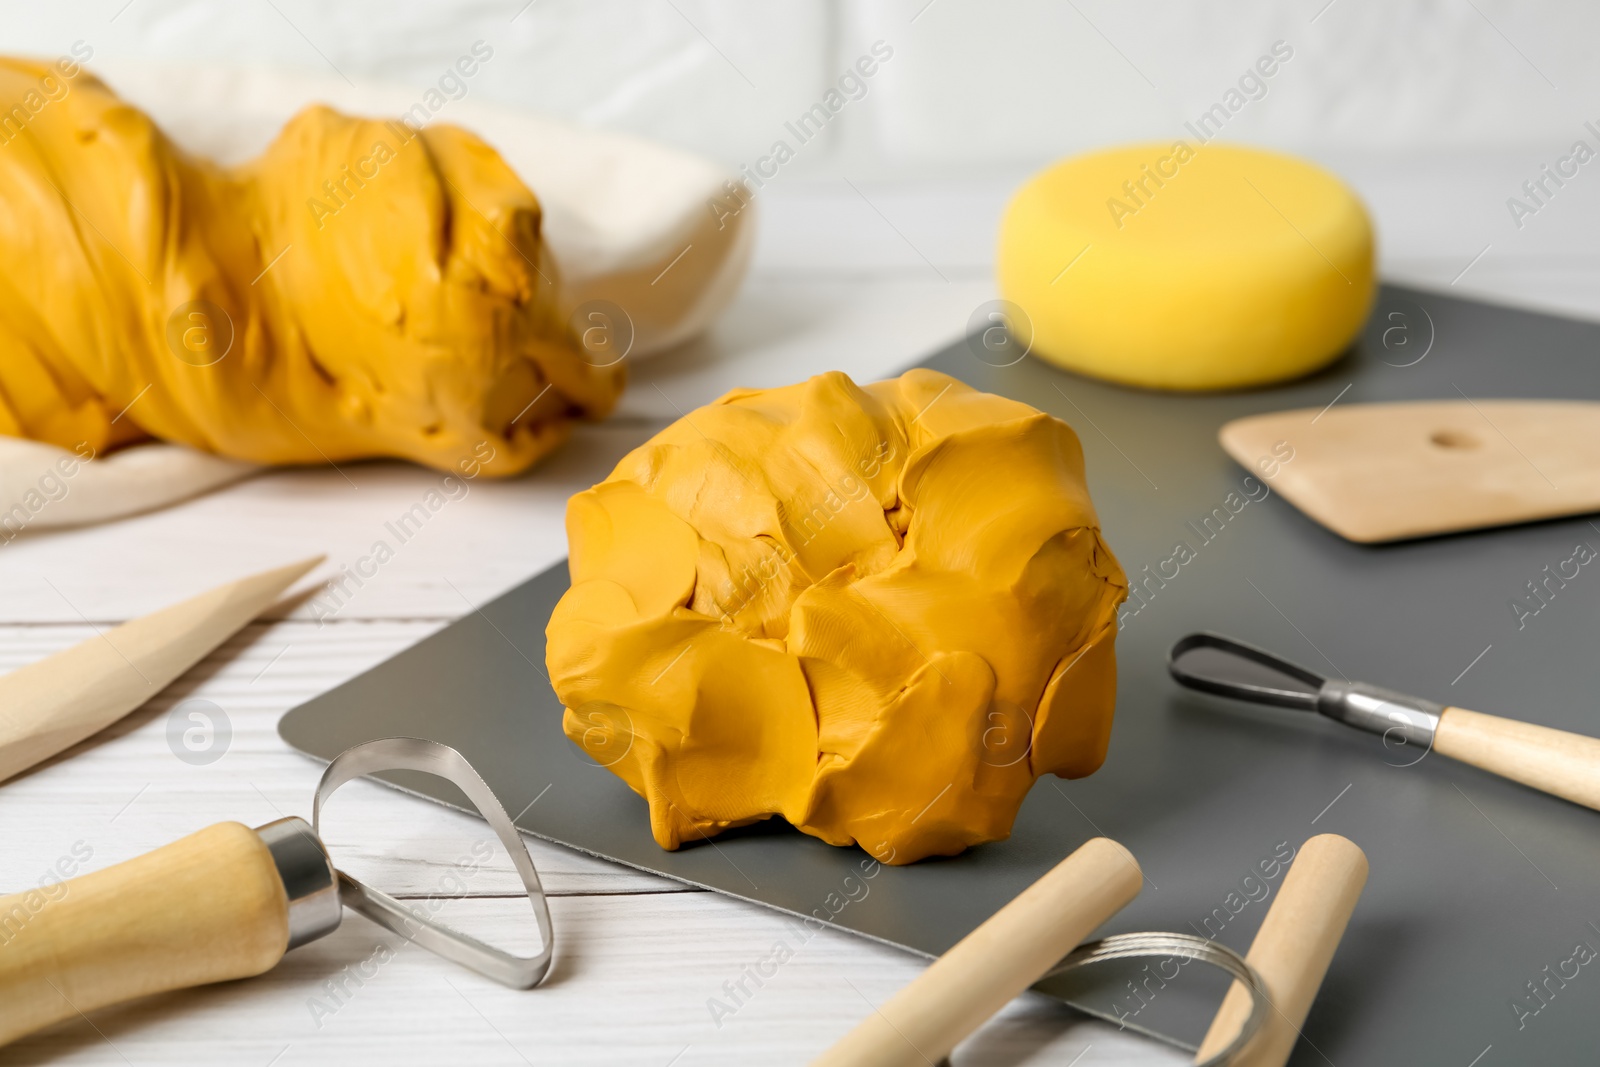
x,y
1477,884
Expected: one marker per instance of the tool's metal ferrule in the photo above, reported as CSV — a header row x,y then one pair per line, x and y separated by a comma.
x,y
308,878
1401,719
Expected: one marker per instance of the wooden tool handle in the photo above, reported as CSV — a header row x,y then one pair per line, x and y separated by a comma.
x,y
994,963
205,908
1292,950
1564,764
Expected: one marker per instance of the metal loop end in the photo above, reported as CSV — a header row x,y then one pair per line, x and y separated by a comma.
x,y
430,757
1234,669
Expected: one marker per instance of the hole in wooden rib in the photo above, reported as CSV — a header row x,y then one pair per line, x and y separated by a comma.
x,y
1453,439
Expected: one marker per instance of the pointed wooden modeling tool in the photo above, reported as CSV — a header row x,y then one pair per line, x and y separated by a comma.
x,y
50,705
1386,472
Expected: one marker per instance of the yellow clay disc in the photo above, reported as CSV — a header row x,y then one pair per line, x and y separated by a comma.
x,y
1188,266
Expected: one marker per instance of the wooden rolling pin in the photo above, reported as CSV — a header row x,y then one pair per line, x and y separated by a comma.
x,y
963,988
1293,949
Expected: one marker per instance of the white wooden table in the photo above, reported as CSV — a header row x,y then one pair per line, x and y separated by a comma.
x,y
840,282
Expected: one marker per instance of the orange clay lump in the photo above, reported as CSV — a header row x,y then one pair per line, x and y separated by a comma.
x,y
878,612
360,289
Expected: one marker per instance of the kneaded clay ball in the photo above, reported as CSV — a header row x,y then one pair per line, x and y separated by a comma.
x,y
361,289
1188,265
879,612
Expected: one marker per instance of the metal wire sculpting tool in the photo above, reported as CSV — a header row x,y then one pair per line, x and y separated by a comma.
x,y
228,902
1563,764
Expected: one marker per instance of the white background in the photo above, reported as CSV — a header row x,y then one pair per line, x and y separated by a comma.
x,y
972,86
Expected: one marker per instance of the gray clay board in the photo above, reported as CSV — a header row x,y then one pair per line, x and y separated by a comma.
x,y
1477,884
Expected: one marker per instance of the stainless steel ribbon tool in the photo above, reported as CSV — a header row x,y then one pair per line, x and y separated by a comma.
x,y
228,902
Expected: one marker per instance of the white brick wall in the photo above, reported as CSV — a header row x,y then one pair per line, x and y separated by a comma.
x,y
973,85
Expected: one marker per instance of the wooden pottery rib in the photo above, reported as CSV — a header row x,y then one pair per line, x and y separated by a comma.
x,y
1385,472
